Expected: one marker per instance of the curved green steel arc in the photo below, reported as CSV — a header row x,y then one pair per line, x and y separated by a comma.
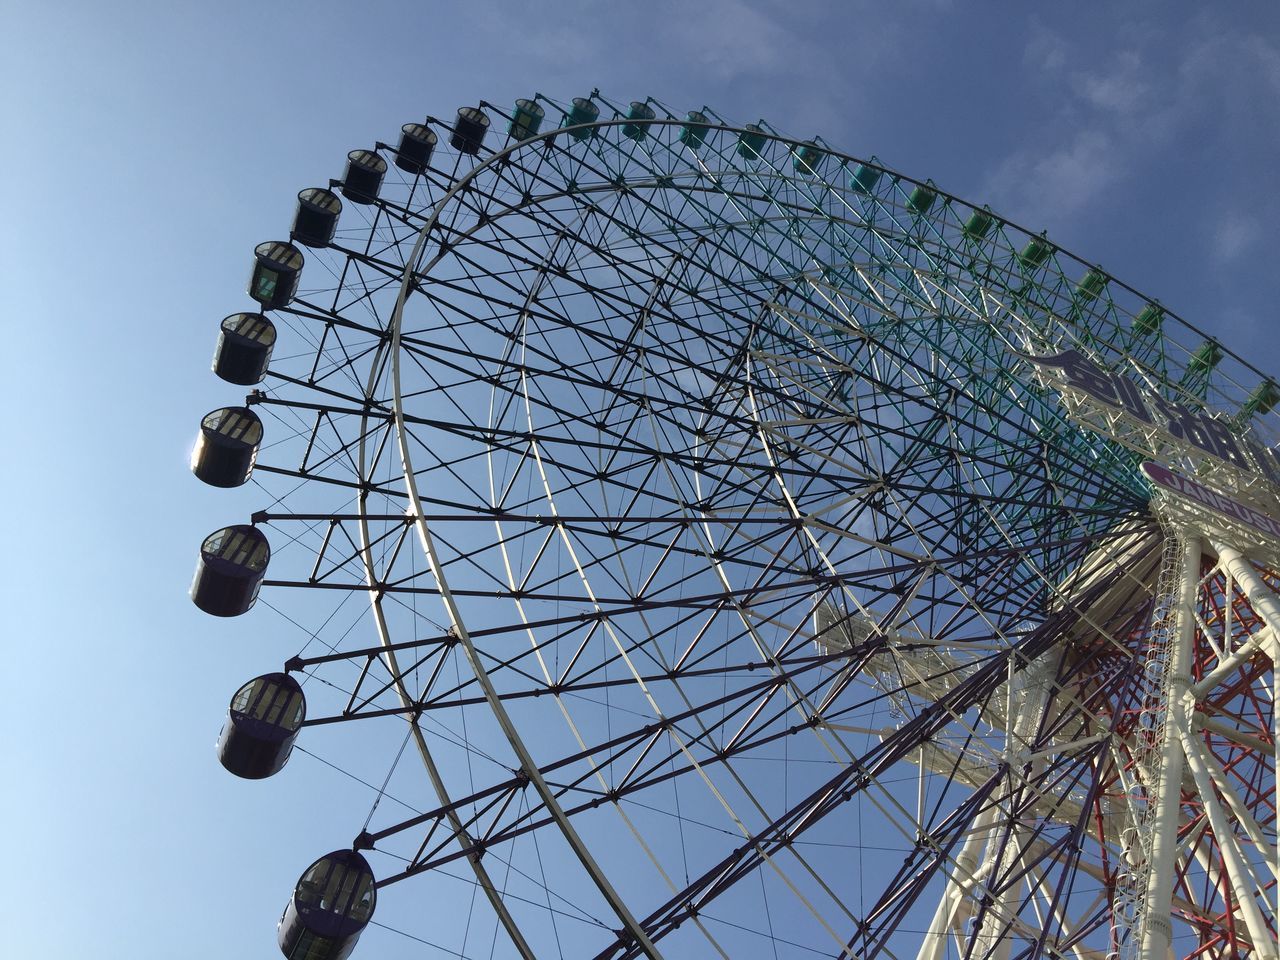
x,y
598,147
708,212
811,188
906,362
608,187
1131,343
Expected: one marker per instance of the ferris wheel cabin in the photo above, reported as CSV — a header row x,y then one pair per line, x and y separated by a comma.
x,y
277,267
227,447
330,907
526,120
582,111
864,178
693,132
750,141
469,130
417,143
363,179
638,116
244,348
316,218
262,724
233,562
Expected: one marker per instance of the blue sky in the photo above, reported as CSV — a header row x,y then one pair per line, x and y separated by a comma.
x,y
151,145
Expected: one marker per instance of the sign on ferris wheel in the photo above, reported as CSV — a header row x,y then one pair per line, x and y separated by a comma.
x,y
1164,430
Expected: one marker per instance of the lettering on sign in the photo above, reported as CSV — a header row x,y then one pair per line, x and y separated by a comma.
x,y
1212,436
1168,480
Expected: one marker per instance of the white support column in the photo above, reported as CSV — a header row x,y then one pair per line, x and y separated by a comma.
x,y
959,882
1237,806
1028,695
1157,928
1261,639
1239,874
1261,597
1265,604
1027,692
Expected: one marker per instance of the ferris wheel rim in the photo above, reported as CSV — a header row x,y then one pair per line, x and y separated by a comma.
x,y
414,261
827,149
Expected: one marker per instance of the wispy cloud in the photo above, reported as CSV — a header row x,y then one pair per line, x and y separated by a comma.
x,y
1110,111
1120,87
699,51
1054,183
1045,50
1235,234
732,38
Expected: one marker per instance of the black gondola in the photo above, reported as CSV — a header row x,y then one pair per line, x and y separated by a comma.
x,y
316,218
227,446
330,907
363,179
244,348
262,724
469,130
276,268
417,143
232,563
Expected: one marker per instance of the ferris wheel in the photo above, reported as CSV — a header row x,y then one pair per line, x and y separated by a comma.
x,y
707,544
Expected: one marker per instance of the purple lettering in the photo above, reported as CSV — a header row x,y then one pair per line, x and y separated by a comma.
x,y
1221,442
1174,414
1218,502
1086,376
1264,460
1131,398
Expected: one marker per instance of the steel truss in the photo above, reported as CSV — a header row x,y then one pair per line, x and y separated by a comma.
x,y
740,589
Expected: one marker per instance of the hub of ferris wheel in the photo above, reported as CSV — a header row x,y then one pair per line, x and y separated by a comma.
x,y
764,551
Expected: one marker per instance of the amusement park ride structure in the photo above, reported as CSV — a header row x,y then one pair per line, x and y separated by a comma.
x,y
766,554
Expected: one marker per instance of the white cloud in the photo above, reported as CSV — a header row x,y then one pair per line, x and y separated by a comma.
x,y
1046,186
1235,234
1119,88
1045,49
1110,111
732,38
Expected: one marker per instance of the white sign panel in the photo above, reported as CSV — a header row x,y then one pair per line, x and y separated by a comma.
x,y
1215,437
1166,479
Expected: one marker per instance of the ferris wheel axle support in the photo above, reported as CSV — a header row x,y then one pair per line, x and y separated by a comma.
x,y
1157,928
964,876
1263,600
1239,872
